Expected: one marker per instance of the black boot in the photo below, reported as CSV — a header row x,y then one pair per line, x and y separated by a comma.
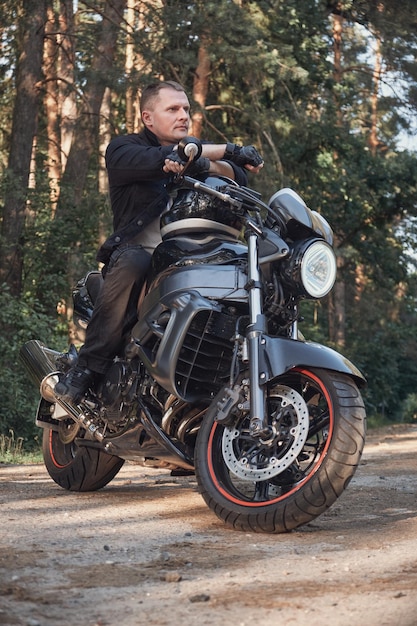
x,y
74,384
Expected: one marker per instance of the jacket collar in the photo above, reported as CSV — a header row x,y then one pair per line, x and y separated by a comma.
x,y
150,136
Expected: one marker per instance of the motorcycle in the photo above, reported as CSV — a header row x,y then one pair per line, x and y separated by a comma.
x,y
216,378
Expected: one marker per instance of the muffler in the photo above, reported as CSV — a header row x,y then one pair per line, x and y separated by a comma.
x,y
41,365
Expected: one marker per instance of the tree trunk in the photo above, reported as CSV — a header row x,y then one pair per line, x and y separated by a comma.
x,y
104,139
337,310
86,131
336,307
376,82
129,65
135,64
85,142
28,75
51,107
66,81
200,88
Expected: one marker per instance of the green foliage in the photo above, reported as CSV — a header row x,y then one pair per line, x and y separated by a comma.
x,y
409,409
12,450
20,321
273,82
60,251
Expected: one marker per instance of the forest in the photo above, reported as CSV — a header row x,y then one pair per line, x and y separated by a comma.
x,y
325,89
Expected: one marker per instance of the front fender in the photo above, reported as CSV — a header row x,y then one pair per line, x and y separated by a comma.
x,y
279,355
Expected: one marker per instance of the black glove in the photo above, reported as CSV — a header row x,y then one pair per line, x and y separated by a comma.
x,y
200,166
174,156
242,155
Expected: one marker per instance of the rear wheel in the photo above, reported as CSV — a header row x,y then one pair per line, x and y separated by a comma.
x,y
274,485
76,468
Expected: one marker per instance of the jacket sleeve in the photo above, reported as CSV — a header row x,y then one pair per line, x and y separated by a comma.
x,y
240,174
129,161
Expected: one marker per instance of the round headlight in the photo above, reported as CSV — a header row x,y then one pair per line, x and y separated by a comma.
x,y
318,269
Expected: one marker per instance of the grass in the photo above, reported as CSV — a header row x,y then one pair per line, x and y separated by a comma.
x,y
379,421
12,452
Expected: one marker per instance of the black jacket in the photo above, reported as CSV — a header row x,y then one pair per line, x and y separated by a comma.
x,y
137,185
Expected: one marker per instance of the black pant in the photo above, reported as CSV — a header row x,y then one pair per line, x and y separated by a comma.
x,y
115,310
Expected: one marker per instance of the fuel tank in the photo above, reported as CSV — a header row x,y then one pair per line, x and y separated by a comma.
x,y
215,268
189,314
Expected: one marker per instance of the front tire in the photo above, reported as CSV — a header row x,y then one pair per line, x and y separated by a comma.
x,y
277,485
77,468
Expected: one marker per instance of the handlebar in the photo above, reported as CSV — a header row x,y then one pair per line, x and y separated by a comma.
x,y
224,196
189,149
246,202
237,197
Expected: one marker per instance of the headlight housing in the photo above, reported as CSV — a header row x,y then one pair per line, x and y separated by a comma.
x,y
310,269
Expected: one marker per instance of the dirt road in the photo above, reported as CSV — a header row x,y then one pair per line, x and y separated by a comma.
x,y
147,550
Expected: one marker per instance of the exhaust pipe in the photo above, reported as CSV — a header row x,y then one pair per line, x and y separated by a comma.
x,y
40,364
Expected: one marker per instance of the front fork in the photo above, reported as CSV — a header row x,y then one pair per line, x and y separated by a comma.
x,y
255,337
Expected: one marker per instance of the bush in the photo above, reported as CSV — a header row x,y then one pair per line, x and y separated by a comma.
x,y
11,450
409,409
21,321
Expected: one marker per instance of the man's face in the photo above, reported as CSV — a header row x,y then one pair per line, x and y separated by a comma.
x,y
169,116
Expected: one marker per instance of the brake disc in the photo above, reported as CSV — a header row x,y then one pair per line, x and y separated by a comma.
x,y
256,459
68,430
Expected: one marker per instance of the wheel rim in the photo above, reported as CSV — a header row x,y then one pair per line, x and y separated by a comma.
x,y
68,430
60,453
275,469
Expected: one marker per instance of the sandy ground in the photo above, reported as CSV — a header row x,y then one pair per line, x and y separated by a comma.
x,y
147,550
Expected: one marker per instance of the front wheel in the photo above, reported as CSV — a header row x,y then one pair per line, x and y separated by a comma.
x,y
272,485
76,468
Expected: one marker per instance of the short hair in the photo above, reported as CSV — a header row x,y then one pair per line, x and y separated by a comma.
x,y
151,92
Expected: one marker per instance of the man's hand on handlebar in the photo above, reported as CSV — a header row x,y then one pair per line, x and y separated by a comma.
x,y
244,156
174,164
253,169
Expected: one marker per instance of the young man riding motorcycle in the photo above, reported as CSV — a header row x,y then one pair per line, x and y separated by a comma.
x,y
139,166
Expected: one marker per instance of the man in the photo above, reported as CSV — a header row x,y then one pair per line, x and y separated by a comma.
x,y
139,166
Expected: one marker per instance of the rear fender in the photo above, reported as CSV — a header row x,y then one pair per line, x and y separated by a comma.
x,y
45,415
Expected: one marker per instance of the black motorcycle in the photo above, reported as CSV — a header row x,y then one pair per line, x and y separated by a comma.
x,y
215,377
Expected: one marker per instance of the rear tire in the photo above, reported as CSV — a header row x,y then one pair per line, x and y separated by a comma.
x,y
77,468
239,477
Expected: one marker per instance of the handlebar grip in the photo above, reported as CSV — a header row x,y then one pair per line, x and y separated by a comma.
x,y
189,149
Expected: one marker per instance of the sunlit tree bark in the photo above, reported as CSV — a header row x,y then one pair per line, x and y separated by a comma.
x,y
200,88
376,84
85,137
336,299
29,72
104,139
51,108
131,92
66,82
